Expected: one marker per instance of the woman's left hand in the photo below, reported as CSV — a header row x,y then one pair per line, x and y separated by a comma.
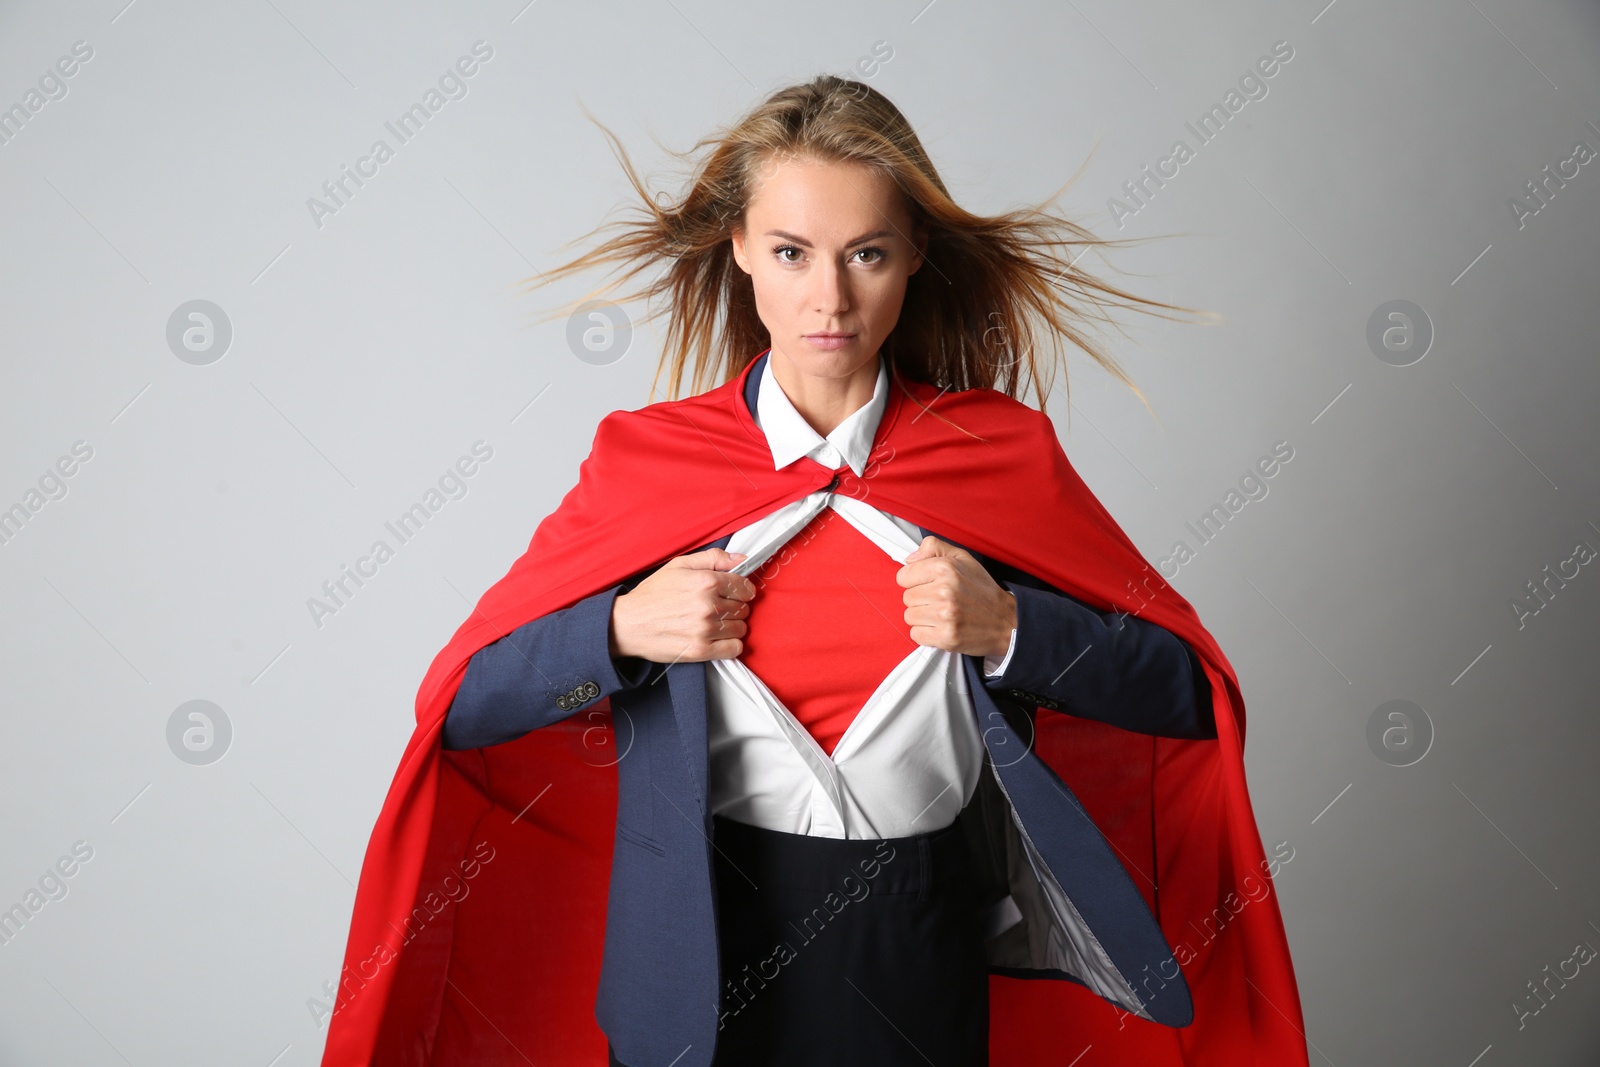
x,y
953,604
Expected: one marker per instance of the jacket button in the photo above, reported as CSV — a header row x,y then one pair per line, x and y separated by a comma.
x,y
563,703
591,690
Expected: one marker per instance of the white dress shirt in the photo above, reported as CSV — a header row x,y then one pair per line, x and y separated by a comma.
x,y
909,761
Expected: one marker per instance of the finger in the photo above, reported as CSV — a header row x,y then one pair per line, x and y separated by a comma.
x,y
920,572
718,624
714,559
912,574
735,587
933,548
725,638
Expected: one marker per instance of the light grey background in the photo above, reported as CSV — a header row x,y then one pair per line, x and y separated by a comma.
x,y
369,353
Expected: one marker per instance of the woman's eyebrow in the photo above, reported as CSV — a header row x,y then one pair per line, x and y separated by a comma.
x,y
873,236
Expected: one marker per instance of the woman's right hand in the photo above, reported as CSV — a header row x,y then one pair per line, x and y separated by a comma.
x,y
691,608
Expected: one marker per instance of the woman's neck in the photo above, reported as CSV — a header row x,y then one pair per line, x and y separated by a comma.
x,y
825,400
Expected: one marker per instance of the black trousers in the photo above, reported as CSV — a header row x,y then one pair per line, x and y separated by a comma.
x,y
845,952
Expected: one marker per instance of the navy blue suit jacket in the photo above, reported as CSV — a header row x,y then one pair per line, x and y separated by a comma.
x,y
658,1000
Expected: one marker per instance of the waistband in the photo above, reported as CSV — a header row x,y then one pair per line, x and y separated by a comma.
x,y
755,858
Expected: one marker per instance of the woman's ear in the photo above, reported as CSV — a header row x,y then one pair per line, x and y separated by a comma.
x,y
740,256
919,240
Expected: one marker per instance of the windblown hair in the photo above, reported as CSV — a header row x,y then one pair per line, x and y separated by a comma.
x,y
990,285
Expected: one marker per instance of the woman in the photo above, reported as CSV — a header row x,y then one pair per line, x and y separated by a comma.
x,y
834,836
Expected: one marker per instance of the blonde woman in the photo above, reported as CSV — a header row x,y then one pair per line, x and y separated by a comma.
x,y
829,719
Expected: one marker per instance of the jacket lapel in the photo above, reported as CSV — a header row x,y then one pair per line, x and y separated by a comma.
x,y
687,684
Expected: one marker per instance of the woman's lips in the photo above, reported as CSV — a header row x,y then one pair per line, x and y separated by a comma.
x,y
829,340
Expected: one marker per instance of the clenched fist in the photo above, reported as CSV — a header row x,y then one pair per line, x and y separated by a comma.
x,y
692,608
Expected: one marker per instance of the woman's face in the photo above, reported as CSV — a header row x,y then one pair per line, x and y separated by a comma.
x,y
828,247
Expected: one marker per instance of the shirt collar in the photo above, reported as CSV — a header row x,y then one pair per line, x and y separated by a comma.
x,y
790,436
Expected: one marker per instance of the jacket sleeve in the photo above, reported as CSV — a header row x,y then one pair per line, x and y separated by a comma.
x,y
540,673
1109,666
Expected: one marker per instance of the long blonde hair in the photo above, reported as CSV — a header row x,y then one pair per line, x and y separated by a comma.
x,y
990,285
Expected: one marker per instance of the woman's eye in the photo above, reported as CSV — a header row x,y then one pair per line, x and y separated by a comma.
x,y
782,250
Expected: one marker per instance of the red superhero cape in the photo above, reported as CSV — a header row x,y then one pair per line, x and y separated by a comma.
x,y
480,913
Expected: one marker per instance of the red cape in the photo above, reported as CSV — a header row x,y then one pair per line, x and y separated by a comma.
x,y
480,913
